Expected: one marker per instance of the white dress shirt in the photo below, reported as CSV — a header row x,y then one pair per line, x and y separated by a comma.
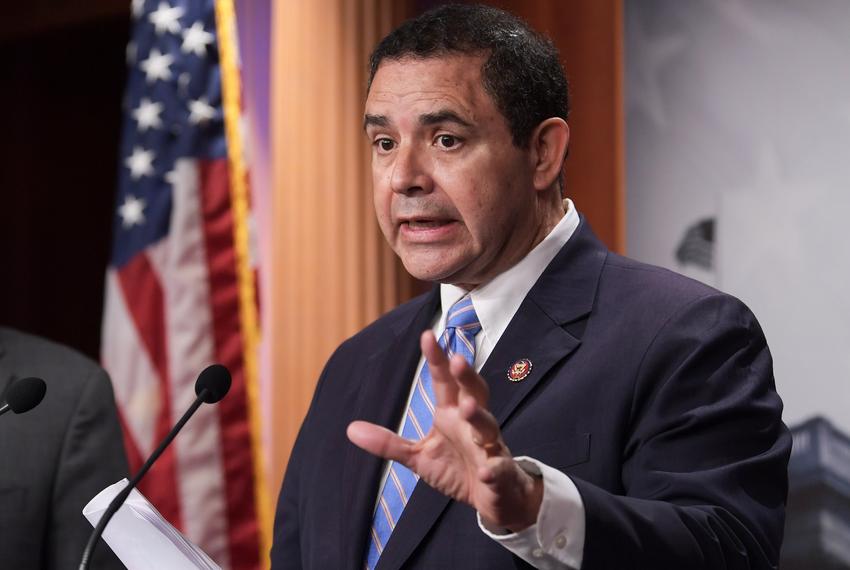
x,y
557,539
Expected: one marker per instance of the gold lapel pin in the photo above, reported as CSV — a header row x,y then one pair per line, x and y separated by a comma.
x,y
519,370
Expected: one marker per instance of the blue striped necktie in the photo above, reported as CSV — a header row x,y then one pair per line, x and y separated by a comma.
x,y
459,338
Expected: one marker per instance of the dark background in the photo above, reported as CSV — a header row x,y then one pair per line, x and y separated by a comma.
x,y
62,68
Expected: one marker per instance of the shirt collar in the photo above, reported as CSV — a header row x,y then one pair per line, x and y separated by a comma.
x,y
497,301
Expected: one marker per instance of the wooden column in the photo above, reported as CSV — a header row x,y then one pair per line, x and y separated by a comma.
x,y
332,272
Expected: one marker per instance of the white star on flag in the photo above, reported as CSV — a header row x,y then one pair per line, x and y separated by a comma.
x,y
140,163
196,39
165,18
171,176
156,66
132,211
147,114
200,111
183,81
131,52
138,7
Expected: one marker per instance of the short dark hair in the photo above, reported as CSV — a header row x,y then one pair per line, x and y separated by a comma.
x,y
522,72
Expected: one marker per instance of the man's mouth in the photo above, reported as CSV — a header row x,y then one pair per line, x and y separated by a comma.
x,y
425,223
426,230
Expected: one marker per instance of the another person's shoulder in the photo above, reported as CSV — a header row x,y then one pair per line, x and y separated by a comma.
x,y
31,355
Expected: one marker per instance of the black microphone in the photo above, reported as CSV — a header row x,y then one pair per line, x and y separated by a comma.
x,y
23,395
212,385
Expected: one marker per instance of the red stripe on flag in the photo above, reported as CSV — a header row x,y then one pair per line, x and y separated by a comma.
x,y
134,456
243,530
144,300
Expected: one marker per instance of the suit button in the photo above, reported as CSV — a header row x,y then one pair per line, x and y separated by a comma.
x,y
561,541
537,553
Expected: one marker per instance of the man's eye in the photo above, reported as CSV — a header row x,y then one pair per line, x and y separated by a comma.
x,y
385,145
447,141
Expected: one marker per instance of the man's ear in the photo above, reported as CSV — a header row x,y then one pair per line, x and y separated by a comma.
x,y
549,143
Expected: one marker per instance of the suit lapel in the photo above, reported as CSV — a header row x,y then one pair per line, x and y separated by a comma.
x,y
532,335
540,330
381,400
564,294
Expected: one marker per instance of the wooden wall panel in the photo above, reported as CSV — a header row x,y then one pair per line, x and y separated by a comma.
x,y
332,273
589,37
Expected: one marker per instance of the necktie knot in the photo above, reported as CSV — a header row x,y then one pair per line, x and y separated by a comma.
x,y
462,316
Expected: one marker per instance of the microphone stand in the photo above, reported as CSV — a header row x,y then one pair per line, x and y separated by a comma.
x,y
119,499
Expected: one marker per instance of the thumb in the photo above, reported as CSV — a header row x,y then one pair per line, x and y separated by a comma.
x,y
380,441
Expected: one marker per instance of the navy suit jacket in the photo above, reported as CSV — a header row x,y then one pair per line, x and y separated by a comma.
x,y
653,392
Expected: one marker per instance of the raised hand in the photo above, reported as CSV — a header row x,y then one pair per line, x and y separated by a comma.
x,y
463,456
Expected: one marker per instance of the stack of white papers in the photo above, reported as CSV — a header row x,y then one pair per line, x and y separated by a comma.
x,y
141,538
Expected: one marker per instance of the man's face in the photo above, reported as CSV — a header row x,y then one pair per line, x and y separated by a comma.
x,y
453,196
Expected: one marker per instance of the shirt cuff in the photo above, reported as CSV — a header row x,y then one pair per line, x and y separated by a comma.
x,y
556,540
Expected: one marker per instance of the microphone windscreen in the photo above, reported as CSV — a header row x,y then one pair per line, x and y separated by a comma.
x,y
215,378
25,394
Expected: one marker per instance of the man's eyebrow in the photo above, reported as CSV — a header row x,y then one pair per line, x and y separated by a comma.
x,y
375,121
443,117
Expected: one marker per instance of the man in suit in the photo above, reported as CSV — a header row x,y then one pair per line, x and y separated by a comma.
x,y
596,412
55,457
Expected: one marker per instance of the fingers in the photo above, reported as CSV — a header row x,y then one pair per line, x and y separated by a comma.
x,y
469,380
445,387
451,377
456,383
380,441
483,428
496,471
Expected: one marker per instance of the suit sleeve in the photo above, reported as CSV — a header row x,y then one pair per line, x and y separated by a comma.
x,y
705,465
92,457
286,541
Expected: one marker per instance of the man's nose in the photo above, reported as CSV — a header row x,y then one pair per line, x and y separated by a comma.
x,y
410,173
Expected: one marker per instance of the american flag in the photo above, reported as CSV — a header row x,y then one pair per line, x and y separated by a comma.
x,y
173,302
